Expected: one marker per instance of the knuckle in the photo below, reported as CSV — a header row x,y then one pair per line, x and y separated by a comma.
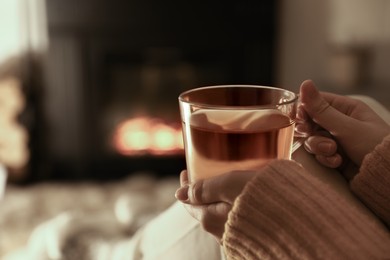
x,y
322,107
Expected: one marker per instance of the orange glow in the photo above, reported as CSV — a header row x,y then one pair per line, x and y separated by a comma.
x,y
144,135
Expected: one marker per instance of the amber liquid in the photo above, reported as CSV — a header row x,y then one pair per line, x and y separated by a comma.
x,y
212,150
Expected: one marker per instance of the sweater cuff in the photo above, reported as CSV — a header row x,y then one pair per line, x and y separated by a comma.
x,y
286,213
372,183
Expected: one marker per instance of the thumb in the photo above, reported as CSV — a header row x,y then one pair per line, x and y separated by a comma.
x,y
321,111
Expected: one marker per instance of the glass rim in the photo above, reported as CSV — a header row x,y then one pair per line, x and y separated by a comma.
x,y
203,105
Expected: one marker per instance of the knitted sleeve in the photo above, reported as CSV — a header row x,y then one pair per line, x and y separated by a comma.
x,y
372,183
286,213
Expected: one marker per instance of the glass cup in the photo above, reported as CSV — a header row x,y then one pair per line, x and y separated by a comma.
x,y
236,127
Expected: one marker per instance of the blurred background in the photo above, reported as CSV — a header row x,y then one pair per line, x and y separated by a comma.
x,y
92,86
89,88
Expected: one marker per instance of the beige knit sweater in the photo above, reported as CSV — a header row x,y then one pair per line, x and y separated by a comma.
x,y
286,213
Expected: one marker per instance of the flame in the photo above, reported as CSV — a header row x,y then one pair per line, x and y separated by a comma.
x,y
144,135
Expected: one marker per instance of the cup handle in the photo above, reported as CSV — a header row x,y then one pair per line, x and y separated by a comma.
x,y
297,142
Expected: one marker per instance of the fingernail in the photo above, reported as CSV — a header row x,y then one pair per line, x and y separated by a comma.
x,y
325,146
182,193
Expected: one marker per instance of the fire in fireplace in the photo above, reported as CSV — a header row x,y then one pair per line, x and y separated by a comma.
x,y
147,136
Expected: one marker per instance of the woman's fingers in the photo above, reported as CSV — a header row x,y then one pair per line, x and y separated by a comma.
x,y
333,161
325,150
321,145
321,111
225,187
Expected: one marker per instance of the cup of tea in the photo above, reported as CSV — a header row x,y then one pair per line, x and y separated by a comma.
x,y
236,127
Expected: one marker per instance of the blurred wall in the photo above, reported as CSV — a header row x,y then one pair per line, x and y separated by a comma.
x,y
302,42
343,45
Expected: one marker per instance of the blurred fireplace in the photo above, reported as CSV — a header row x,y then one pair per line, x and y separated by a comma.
x,y
111,62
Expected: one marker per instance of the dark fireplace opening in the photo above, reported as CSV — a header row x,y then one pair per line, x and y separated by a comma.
x,y
111,62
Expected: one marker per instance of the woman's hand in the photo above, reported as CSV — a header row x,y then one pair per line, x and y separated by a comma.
x,y
324,149
318,142
356,128
210,200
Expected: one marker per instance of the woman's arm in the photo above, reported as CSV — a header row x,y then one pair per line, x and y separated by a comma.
x,y
286,213
372,183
